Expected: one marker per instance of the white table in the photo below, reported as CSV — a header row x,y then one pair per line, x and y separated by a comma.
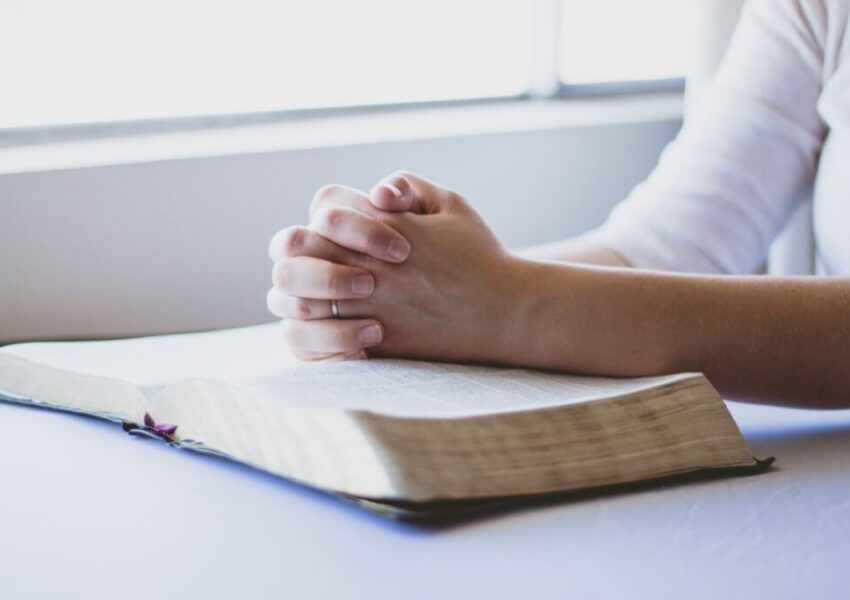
x,y
89,512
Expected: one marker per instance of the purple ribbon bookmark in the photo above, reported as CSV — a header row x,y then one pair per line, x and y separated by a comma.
x,y
151,428
163,428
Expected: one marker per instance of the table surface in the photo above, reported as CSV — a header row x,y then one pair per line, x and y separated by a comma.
x,y
88,511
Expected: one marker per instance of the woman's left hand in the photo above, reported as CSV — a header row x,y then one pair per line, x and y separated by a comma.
x,y
450,300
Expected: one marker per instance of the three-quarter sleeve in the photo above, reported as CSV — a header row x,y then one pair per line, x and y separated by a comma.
x,y
725,187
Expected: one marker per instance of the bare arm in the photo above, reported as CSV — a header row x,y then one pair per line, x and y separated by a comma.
x,y
777,340
460,296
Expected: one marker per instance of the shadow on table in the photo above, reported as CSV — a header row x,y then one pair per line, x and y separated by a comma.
x,y
818,448
434,517
438,516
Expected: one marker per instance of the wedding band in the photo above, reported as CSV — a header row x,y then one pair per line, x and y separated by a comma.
x,y
334,309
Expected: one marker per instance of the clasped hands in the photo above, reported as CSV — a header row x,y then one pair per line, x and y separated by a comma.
x,y
414,269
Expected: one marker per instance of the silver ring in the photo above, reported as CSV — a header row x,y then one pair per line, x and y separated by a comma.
x,y
335,309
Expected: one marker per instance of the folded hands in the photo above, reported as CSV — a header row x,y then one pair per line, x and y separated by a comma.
x,y
413,268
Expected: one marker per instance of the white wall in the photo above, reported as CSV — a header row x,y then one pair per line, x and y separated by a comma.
x,y
181,244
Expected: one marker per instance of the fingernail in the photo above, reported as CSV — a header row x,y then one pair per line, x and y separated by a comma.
x,y
398,250
393,189
362,285
370,335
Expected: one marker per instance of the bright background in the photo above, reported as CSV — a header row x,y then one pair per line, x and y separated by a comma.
x,y
117,60
624,40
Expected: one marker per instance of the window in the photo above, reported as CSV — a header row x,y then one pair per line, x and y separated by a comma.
x,y
112,60
101,61
624,40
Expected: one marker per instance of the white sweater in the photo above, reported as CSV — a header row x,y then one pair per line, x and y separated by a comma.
x,y
772,131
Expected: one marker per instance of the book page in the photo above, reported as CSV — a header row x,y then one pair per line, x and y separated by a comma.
x,y
258,360
426,389
26,382
153,362
117,378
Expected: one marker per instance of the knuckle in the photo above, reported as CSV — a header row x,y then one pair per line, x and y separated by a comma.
x,y
293,240
454,199
301,308
332,218
323,195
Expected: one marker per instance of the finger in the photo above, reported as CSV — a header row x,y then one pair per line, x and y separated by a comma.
x,y
292,307
328,357
345,336
309,309
405,191
340,195
311,356
301,241
394,194
354,230
359,355
308,277
375,238
320,356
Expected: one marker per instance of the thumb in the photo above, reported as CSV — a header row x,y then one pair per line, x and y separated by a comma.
x,y
405,192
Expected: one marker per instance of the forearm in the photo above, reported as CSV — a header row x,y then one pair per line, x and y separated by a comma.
x,y
778,340
582,249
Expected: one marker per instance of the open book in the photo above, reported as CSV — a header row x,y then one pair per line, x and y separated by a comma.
x,y
393,434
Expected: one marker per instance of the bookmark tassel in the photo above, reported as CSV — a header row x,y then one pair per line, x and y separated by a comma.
x,y
163,431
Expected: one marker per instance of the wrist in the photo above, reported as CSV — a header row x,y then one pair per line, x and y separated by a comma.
x,y
521,311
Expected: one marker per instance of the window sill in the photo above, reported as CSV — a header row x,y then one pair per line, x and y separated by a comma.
x,y
343,130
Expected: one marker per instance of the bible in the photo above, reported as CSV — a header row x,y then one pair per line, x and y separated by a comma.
x,y
403,438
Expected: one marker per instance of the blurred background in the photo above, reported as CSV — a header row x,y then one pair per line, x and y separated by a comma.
x,y
94,61
148,150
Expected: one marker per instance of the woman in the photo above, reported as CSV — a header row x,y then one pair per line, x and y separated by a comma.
x,y
412,271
